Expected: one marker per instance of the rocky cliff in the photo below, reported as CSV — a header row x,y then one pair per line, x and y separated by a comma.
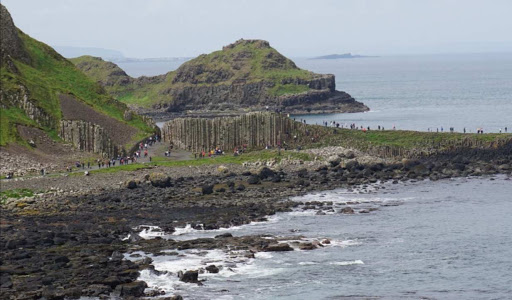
x,y
243,76
36,85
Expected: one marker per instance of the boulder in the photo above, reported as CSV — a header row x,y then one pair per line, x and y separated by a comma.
x,y
334,160
253,179
347,210
307,246
132,289
265,173
160,180
278,248
130,184
224,235
212,269
222,169
190,276
207,189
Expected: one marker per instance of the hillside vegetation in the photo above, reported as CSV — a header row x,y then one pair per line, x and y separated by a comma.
x,y
34,74
247,73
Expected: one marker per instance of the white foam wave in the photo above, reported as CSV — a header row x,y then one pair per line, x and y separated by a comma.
x,y
347,263
149,232
345,243
307,263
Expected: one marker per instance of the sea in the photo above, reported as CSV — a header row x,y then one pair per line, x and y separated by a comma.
x,y
421,92
446,239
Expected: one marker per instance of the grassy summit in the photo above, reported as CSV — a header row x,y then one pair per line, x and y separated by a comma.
x,y
245,73
40,75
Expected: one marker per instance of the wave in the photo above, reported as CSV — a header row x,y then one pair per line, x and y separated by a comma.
x,y
347,263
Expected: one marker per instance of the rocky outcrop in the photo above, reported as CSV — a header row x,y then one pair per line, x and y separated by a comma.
x,y
247,75
88,137
20,98
254,130
11,46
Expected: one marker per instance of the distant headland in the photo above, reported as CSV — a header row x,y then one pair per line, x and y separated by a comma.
x,y
341,56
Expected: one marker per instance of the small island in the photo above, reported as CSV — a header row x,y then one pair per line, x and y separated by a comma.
x,y
341,56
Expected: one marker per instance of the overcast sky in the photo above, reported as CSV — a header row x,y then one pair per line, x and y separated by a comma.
x,y
177,28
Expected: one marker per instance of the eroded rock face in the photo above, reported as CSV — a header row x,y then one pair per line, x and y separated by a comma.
x,y
10,43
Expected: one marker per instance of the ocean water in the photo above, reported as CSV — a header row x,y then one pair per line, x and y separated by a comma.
x,y
450,239
427,92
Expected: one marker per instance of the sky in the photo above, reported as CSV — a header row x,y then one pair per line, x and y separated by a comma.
x,y
296,28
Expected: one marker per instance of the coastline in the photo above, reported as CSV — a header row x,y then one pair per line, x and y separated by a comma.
x,y
73,228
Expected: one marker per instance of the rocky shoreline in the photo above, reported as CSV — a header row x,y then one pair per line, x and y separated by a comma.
x,y
70,243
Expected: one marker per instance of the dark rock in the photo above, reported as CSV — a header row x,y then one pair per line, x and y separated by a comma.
x,y
212,269
132,289
307,246
224,235
190,276
131,184
207,189
277,248
241,187
347,210
253,180
265,173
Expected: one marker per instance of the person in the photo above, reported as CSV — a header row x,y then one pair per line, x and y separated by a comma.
x,y
42,172
464,129
88,165
150,159
505,129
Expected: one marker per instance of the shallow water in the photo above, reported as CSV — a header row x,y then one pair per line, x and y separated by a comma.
x,y
450,239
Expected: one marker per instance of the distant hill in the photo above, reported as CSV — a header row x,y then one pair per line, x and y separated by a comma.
x,y
44,92
107,54
245,75
340,56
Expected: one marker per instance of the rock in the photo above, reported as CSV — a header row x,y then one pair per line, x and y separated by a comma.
x,y
241,187
190,276
347,210
94,290
334,160
222,169
253,179
224,235
131,184
307,246
278,248
132,289
326,242
207,189
220,190
212,269
160,180
265,173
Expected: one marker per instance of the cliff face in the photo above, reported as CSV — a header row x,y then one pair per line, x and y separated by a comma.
x,y
245,75
34,79
89,137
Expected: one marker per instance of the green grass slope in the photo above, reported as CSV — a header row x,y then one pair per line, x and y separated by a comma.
x,y
243,62
47,75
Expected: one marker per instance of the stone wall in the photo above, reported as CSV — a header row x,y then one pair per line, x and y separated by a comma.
x,y
256,130
88,137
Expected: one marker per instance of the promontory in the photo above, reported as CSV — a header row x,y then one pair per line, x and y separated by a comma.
x,y
248,75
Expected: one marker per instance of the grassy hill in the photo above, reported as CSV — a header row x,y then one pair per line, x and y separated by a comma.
x,y
33,75
247,73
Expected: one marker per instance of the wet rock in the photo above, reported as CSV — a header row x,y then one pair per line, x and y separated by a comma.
x,y
241,187
278,248
307,246
347,210
224,235
132,289
190,276
212,269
